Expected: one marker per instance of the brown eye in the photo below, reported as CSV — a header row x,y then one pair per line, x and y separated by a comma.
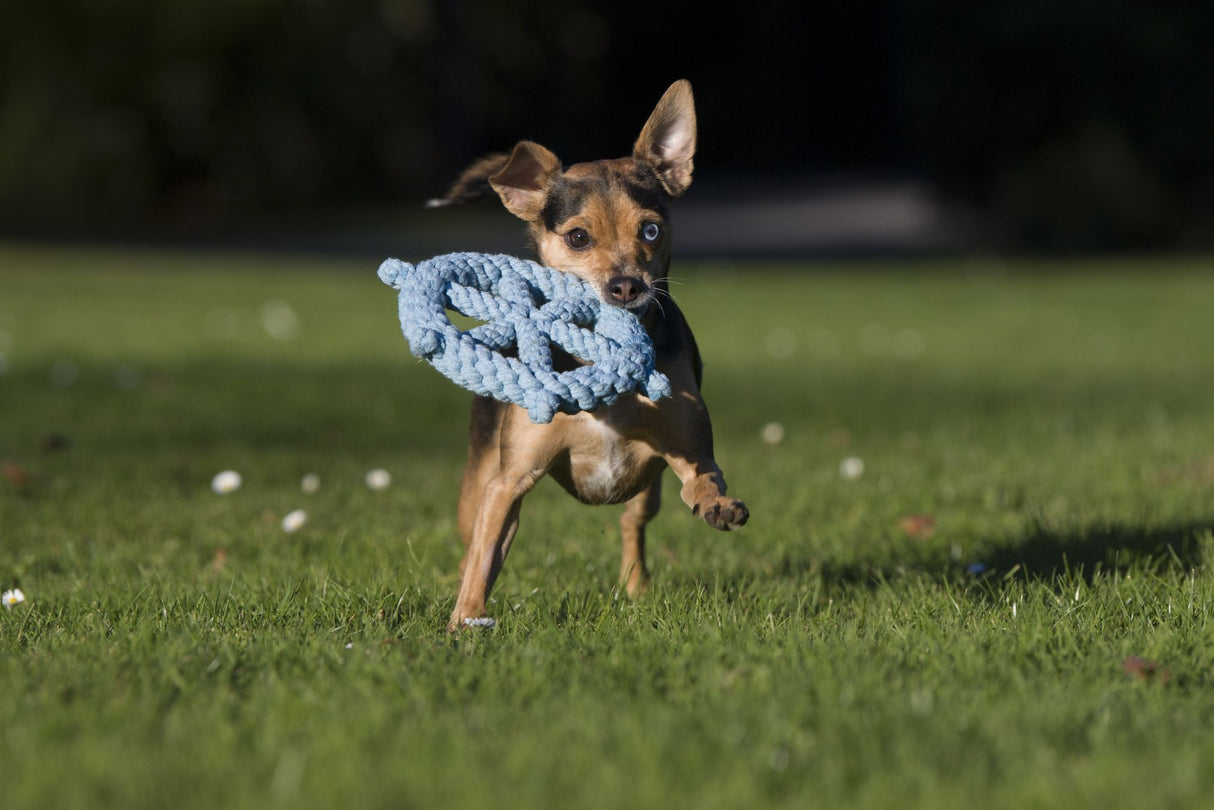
x,y
578,239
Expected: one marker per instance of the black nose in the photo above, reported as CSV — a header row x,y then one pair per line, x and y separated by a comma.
x,y
626,289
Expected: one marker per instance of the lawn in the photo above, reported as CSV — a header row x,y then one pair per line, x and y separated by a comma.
x,y
1009,606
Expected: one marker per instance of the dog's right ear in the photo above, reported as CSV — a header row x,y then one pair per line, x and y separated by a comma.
x,y
523,182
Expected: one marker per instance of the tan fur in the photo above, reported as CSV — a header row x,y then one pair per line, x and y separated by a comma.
x,y
615,454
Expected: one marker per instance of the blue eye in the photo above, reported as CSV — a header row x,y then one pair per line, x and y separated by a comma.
x,y
650,231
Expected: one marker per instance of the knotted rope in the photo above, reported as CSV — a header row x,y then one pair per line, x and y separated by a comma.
x,y
530,307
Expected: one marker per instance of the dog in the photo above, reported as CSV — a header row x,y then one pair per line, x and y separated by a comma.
x,y
608,223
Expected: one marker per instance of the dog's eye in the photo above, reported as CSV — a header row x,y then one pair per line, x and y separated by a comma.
x,y
650,231
578,239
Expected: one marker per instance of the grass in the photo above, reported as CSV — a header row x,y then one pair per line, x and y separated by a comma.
x,y
177,648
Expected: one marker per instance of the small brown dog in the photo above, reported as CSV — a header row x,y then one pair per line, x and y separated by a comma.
x,y
606,222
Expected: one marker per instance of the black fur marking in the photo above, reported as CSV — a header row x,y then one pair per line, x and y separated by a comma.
x,y
565,200
645,190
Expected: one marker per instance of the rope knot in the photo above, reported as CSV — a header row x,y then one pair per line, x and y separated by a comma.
x,y
531,308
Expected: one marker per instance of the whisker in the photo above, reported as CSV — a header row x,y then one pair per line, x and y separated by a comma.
x,y
666,293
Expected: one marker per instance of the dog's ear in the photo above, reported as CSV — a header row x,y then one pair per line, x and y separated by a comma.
x,y
668,141
523,182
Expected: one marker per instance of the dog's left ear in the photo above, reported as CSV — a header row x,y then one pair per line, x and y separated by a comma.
x,y
668,141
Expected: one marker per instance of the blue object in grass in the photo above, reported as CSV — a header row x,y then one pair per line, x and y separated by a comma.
x,y
524,305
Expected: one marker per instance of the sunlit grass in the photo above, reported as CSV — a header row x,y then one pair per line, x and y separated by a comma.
x,y
1047,425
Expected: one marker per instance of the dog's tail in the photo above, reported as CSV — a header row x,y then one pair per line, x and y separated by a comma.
x,y
473,184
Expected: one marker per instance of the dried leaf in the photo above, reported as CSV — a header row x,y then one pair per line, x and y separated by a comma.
x,y
1145,670
920,527
15,474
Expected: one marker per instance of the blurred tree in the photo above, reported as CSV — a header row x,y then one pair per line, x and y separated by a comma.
x,y
202,109
1076,125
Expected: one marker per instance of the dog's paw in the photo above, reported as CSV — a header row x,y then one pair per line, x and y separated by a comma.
x,y
723,513
457,625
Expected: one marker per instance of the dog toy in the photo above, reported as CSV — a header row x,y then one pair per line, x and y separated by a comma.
x,y
530,307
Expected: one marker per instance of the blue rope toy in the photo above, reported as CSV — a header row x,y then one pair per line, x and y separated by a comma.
x,y
523,304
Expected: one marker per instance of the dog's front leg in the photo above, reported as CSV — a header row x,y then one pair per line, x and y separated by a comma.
x,y
493,532
704,491
686,432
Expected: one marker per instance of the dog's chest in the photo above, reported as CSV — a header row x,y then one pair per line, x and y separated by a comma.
x,y
605,466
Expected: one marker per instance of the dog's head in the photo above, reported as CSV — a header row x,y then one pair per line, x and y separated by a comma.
x,y
606,221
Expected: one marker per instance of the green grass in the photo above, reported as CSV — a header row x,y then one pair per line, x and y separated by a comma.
x,y
177,649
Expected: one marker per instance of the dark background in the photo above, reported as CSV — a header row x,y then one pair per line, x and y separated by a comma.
x,y
1052,124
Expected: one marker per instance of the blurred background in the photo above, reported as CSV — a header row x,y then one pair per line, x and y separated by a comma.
x,y
878,126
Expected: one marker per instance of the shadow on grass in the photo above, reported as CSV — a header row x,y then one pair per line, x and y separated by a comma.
x,y
1043,555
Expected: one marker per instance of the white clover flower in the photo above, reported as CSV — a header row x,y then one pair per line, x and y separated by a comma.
x,y
378,479
781,342
772,433
226,481
14,597
294,521
851,468
310,483
279,320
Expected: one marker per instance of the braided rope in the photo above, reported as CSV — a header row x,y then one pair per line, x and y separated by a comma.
x,y
531,307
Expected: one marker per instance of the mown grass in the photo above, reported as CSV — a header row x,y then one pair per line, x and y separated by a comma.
x,y
177,648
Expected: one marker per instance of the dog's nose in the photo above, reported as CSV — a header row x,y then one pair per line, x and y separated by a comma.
x,y
625,289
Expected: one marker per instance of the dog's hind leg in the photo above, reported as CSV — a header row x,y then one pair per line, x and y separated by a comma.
x,y
634,575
